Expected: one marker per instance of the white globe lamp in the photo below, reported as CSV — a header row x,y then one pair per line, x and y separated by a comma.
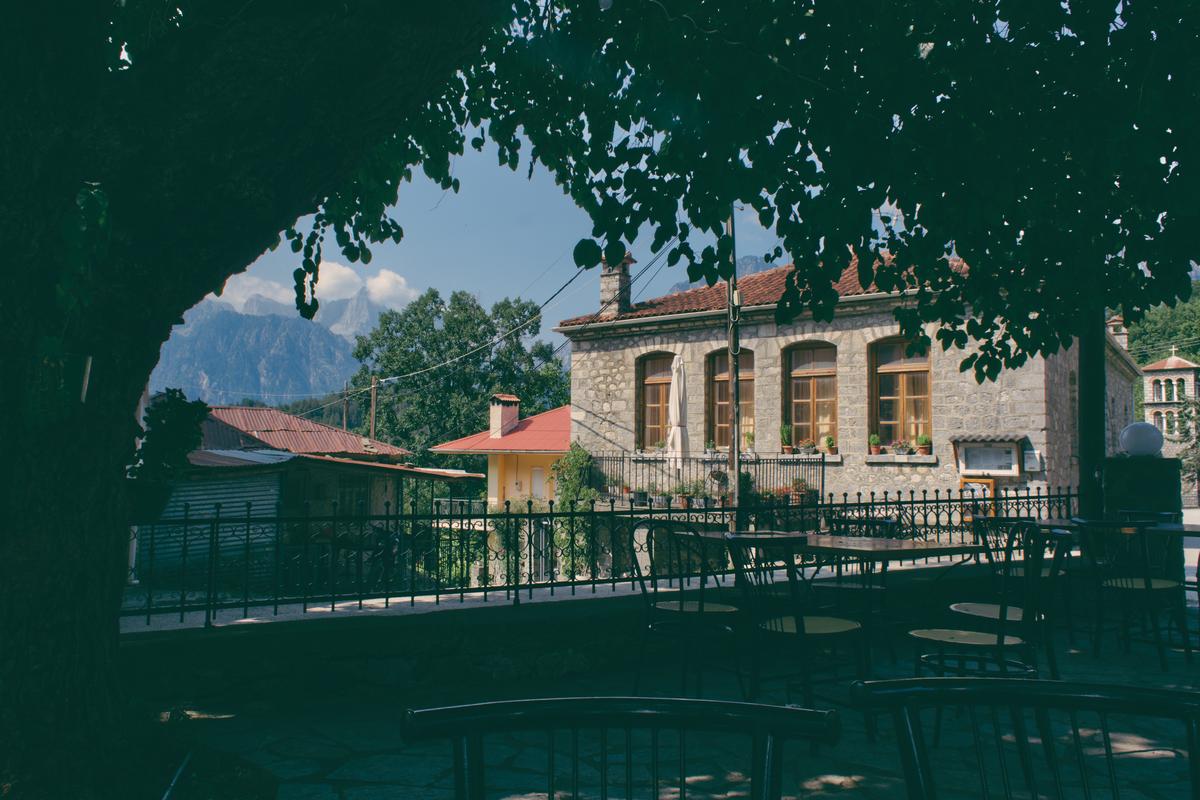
x,y
1141,439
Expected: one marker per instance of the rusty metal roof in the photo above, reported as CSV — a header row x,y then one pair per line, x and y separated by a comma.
x,y
245,427
241,460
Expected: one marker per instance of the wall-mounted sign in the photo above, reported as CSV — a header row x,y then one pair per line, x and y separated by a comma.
x,y
985,459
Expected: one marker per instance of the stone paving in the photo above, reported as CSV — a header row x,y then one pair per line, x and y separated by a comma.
x,y
353,749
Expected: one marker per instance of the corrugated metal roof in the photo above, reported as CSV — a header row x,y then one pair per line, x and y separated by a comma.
x,y
237,458
272,428
548,432
408,469
983,438
226,459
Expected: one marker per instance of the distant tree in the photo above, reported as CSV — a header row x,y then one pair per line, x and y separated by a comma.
x,y
328,410
1166,326
448,358
172,430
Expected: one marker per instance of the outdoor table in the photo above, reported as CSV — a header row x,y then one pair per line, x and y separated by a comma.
x,y
1176,566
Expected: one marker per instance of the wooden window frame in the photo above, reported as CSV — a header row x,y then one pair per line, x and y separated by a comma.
x,y
902,399
745,381
640,400
790,375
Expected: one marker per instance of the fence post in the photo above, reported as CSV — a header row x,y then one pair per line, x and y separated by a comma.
x,y
246,567
209,611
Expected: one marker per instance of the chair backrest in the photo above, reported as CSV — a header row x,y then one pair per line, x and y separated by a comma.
x,y
1125,554
621,746
668,554
1030,565
1033,738
769,575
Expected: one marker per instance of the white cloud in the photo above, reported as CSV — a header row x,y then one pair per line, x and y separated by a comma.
x,y
390,289
337,281
241,286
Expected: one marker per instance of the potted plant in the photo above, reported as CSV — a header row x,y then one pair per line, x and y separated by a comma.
x,y
924,445
807,447
873,444
750,441
710,448
803,493
900,448
831,445
657,497
660,445
785,439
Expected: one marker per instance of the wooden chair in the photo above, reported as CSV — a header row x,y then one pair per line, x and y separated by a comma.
x,y
765,563
1017,624
1133,566
1035,738
673,567
652,738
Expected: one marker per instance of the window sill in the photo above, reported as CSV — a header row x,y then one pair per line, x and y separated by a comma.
x,y
891,458
649,456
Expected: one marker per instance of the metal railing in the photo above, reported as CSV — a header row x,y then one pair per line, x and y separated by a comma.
x,y
638,477
231,561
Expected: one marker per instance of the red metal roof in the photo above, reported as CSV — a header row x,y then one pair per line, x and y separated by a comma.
x,y
548,432
1171,362
269,427
278,459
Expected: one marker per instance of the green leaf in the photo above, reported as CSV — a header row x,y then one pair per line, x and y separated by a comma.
x,y
587,253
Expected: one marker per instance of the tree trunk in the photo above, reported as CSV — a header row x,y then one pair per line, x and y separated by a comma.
x,y
1093,405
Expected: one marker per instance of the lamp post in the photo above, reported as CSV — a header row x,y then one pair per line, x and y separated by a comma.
x,y
732,317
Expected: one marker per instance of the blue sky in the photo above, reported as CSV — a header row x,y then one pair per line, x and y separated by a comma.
x,y
501,235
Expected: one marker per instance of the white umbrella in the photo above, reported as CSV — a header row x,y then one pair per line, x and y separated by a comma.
x,y
677,443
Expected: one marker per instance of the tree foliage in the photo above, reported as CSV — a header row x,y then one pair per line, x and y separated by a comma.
x,y
426,403
1167,326
172,426
1049,147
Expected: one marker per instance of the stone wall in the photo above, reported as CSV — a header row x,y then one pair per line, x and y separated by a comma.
x,y
1032,401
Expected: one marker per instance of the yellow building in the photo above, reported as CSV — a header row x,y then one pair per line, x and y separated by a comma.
x,y
521,452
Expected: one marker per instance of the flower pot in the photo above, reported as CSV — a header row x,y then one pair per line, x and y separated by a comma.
x,y
788,449
875,449
832,450
924,449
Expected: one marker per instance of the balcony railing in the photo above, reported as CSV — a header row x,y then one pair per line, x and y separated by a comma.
x,y
233,560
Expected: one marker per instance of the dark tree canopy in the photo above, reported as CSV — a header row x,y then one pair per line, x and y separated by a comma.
x,y
1051,147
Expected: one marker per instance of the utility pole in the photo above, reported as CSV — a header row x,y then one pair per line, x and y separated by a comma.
x,y
374,387
345,405
733,316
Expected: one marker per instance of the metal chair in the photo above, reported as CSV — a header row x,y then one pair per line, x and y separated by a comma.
x,y
777,618
1135,566
1034,738
652,737
1018,623
672,565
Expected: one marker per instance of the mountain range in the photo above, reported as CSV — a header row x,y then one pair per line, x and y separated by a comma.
x,y
265,351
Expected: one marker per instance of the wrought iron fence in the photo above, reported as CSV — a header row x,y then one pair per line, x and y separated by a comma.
x,y
233,561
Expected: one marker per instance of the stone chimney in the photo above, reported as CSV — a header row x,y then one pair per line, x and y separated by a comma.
x,y
505,412
614,288
1117,329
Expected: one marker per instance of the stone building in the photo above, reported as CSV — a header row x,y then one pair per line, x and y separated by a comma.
x,y
1166,384
850,379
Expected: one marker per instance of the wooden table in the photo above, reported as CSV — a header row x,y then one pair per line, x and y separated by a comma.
x,y
869,548
1170,528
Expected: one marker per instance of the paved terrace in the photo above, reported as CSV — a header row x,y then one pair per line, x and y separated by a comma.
x,y
319,702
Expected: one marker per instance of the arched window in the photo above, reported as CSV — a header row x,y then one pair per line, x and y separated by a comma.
x,y
653,393
1158,420
718,397
900,392
1181,389
1170,389
1158,392
810,391
1170,422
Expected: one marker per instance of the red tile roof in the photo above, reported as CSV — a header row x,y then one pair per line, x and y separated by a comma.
x,y
243,427
1171,362
757,289
548,432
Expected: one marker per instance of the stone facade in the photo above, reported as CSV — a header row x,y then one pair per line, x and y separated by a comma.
x,y
1036,402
